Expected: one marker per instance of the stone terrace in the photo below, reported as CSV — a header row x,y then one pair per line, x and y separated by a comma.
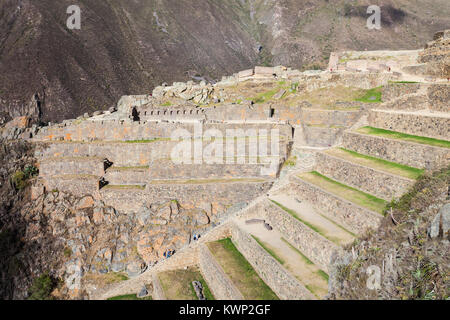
x,y
289,233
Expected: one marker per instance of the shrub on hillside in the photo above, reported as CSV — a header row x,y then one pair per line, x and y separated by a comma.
x,y
42,288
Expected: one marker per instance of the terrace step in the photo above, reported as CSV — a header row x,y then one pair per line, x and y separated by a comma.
x,y
71,166
321,136
169,170
177,284
222,287
326,117
305,212
397,149
127,175
266,250
379,177
241,273
422,123
348,207
306,237
77,184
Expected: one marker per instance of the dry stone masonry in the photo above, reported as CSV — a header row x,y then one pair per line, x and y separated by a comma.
x,y
120,162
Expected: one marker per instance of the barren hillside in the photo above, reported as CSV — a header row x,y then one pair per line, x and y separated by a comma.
x,y
128,47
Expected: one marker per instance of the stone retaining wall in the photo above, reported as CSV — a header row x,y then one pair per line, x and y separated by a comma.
x,y
126,130
169,170
285,286
220,284
127,176
158,292
439,96
72,166
219,195
230,112
120,154
329,117
408,153
378,183
79,186
310,243
349,215
394,90
409,103
415,124
321,136
141,154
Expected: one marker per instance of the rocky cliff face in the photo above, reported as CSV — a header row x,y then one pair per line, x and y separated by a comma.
x,y
128,47
79,241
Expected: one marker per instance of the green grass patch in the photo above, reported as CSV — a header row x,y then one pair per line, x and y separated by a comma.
x,y
305,258
270,251
404,136
323,275
351,194
240,271
291,162
371,96
393,167
177,284
206,291
129,297
166,104
266,96
400,82
142,141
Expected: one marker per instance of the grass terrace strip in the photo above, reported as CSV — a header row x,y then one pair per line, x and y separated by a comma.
x,y
351,194
309,225
305,258
240,271
377,163
177,284
403,136
269,251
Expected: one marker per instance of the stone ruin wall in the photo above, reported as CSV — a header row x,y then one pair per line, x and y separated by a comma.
x,y
379,183
285,285
218,196
352,217
90,131
317,248
415,124
407,153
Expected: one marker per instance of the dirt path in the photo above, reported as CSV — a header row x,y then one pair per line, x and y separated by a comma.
x,y
306,212
297,265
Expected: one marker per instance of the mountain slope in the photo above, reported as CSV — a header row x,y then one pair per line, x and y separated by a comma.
x,y
128,47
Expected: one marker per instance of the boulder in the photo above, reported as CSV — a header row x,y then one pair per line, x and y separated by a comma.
x,y
143,292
